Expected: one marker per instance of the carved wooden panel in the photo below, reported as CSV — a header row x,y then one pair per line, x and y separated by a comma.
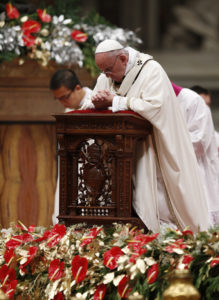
x,y
96,163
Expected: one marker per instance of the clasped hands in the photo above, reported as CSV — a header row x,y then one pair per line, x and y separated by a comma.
x,y
103,99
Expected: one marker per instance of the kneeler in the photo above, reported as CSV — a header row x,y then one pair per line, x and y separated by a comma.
x,y
97,152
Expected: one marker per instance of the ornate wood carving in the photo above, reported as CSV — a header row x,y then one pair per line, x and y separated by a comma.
x,y
96,163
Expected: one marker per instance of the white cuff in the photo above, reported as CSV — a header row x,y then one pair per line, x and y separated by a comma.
x,y
119,103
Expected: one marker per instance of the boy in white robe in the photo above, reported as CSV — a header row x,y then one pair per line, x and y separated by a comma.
x,y
133,80
66,88
201,129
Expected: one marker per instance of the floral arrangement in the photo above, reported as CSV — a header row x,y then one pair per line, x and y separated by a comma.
x,y
66,40
103,263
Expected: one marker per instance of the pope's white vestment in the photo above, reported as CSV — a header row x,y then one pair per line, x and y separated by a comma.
x,y
202,133
147,90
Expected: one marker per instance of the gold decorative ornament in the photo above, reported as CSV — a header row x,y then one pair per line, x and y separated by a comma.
x,y
181,287
135,296
3,296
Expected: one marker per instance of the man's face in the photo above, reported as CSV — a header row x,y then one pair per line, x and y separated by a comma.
x,y
112,66
207,98
68,98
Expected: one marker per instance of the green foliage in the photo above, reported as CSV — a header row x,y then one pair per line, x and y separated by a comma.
x,y
69,8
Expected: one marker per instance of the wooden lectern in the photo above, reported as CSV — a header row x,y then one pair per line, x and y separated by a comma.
x,y
96,150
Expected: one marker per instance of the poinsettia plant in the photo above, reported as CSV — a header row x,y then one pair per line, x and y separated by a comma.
x,y
103,263
46,36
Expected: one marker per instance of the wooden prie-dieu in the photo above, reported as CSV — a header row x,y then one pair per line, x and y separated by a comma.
x,y
96,151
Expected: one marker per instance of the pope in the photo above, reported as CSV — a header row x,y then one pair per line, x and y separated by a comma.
x,y
167,184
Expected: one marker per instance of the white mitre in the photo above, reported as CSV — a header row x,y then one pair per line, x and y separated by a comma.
x,y
108,45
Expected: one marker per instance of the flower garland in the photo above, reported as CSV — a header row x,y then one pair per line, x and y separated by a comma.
x,y
97,263
44,37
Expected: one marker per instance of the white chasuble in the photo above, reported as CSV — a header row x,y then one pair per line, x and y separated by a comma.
x,y
169,148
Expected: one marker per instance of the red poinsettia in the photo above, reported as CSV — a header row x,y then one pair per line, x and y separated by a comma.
x,y
56,234
187,232
111,257
7,274
59,296
100,292
28,39
8,280
31,26
186,260
178,244
56,269
21,226
79,268
17,240
136,254
123,287
79,36
214,262
30,256
44,17
90,236
9,289
44,237
53,236
141,240
12,11
8,256
152,273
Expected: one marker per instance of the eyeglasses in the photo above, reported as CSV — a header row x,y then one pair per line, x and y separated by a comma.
x,y
64,97
110,69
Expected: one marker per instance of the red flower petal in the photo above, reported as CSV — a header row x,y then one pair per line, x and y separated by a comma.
x,y
44,237
56,269
56,234
123,287
137,253
90,236
18,240
187,232
7,275
59,296
214,262
79,268
31,254
79,36
9,289
44,17
31,228
187,259
152,273
178,244
8,255
100,292
31,26
141,240
111,257
11,11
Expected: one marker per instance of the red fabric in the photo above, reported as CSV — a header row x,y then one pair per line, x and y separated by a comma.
x,y
94,111
177,88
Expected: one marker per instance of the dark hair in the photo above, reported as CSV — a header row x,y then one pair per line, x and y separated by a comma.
x,y
65,77
200,90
